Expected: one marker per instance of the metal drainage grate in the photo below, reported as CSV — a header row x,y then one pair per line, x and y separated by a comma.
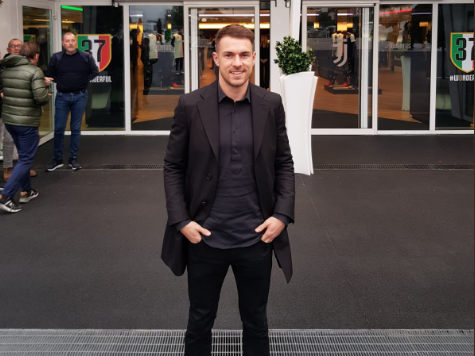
x,y
110,167
394,167
228,342
318,167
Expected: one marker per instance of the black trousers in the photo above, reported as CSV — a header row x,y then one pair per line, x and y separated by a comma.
x,y
207,268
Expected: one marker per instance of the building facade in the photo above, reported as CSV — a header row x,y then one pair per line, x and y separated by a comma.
x,y
383,67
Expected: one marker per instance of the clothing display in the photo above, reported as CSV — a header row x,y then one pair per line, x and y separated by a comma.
x,y
343,58
134,49
351,43
147,66
153,47
341,53
177,42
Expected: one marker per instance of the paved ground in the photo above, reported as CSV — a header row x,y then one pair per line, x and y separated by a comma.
x,y
373,249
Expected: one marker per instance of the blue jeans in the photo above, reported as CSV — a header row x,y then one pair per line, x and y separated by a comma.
x,y
26,141
76,105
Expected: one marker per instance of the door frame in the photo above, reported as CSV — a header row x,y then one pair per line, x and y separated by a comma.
x,y
46,5
363,99
191,64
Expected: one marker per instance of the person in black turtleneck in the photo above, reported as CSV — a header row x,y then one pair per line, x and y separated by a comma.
x,y
71,70
230,194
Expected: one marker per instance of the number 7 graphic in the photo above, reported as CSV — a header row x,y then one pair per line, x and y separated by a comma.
x,y
473,47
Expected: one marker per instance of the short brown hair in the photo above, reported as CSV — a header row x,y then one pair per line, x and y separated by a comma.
x,y
68,33
30,50
235,31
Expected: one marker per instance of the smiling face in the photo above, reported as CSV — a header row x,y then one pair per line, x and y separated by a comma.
x,y
70,43
235,58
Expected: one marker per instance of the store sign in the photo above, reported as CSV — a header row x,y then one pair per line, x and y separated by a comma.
x,y
99,46
461,50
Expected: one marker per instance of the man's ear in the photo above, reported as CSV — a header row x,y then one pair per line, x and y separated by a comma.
x,y
216,59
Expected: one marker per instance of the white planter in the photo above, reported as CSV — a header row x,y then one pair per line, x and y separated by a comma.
x,y
298,93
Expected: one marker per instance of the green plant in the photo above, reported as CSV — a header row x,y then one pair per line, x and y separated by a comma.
x,y
290,57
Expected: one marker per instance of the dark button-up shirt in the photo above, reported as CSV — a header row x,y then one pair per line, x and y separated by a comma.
x,y
236,211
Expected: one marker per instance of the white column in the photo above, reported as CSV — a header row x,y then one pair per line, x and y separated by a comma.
x,y
195,20
433,68
8,24
364,45
295,6
279,28
128,85
375,84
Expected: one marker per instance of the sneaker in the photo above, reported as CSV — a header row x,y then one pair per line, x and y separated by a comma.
x,y
74,165
345,84
9,206
28,196
55,164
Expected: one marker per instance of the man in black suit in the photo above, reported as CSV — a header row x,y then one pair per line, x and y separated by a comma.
x,y
230,191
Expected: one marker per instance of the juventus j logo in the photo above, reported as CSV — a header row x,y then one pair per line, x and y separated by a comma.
x,y
341,53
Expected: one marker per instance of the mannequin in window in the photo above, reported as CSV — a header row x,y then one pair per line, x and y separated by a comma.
x,y
134,48
349,46
177,43
264,62
147,67
336,52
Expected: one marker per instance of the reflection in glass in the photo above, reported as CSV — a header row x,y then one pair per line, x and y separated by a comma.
x,y
264,47
37,27
341,40
405,34
454,104
99,31
157,64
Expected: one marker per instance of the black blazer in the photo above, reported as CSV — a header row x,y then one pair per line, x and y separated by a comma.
x,y
191,168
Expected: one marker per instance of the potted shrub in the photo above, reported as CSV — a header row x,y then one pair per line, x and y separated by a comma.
x,y
298,85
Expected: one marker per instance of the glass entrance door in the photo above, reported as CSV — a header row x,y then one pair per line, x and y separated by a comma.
x,y
38,27
342,40
200,32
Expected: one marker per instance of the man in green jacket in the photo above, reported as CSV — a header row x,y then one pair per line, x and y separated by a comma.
x,y
24,92
14,47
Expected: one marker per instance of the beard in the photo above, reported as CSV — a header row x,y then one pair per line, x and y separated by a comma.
x,y
236,83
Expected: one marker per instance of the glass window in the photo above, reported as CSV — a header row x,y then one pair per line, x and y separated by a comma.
x,y
404,67
157,64
99,31
37,27
454,104
264,46
341,41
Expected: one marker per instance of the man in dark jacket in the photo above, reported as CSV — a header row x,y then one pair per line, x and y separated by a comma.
x,y
24,92
230,192
71,70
